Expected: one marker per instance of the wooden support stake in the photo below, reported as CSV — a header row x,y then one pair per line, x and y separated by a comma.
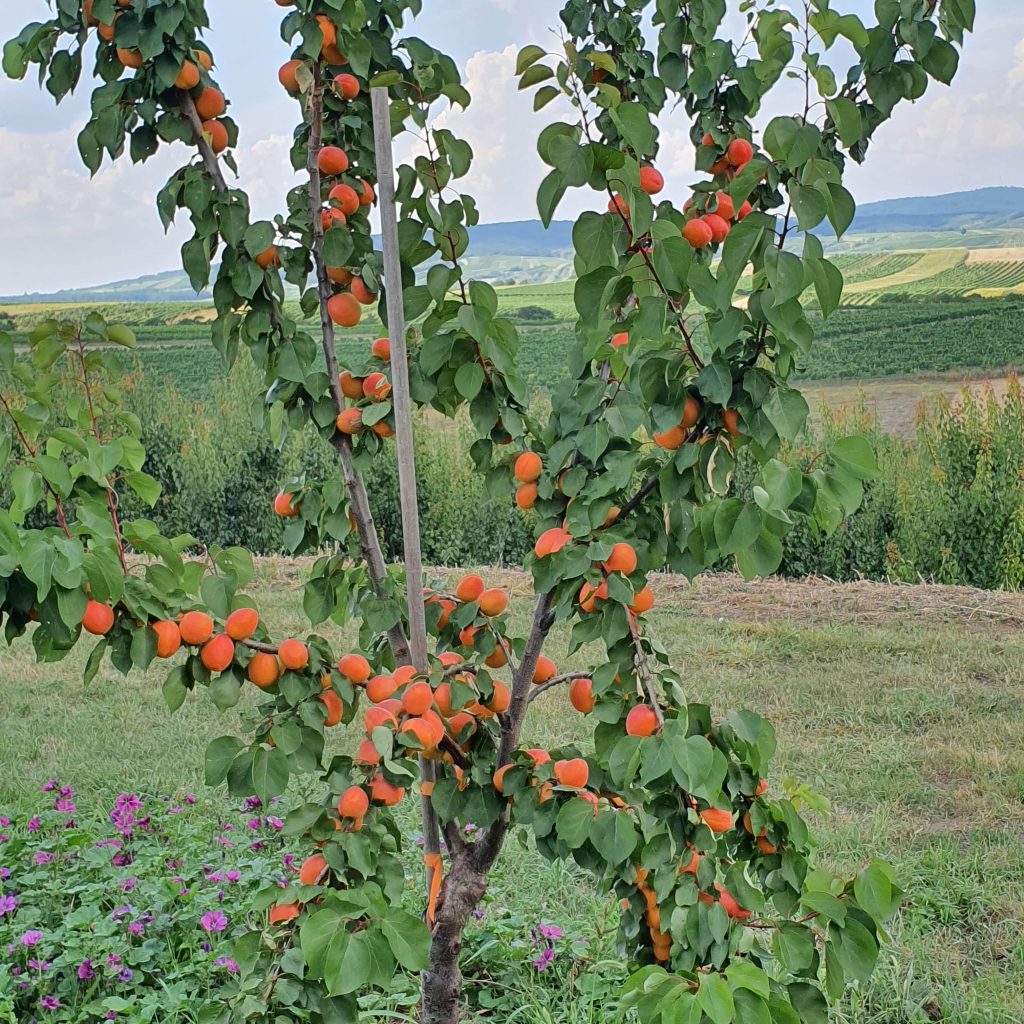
x,y
403,426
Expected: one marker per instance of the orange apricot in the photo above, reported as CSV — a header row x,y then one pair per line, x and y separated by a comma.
x,y
528,467
354,667
697,233
285,505
98,618
332,160
344,310
545,670
651,181
470,587
335,708
168,638
196,628
717,819
241,623
581,695
218,652
313,869
353,803
294,655
551,541
493,602
210,104
263,670
641,721
622,559
572,773
350,421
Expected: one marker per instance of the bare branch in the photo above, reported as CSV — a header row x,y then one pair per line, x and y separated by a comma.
x,y
551,684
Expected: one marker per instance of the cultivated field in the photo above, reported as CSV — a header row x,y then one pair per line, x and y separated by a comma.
x,y
905,705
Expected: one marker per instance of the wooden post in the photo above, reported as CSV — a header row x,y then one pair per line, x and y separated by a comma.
x,y
403,427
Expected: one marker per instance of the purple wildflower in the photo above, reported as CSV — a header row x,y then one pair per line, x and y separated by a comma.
x,y
127,884
544,960
86,971
50,1003
137,928
8,904
551,931
125,975
50,786
34,823
31,938
189,799
229,965
213,921
44,857
121,912
42,966
5,873
234,876
64,805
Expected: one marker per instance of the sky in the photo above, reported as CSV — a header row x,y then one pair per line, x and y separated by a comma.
x,y
63,230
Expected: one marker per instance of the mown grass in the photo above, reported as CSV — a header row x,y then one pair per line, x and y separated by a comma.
x,y
904,705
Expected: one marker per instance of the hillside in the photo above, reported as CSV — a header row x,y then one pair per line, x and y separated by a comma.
x,y
523,252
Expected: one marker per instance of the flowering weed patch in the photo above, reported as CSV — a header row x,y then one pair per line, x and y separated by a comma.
x,y
134,918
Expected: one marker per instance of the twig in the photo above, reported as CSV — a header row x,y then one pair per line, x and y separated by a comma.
x,y
643,669
543,688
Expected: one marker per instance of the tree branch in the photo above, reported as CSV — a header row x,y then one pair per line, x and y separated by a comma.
x,y
543,688
643,670
359,501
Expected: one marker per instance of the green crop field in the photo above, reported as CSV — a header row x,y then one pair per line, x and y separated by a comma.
x,y
902,704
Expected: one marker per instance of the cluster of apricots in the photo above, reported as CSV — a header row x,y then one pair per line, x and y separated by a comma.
x,y
709,222
366,391
209,101
220,649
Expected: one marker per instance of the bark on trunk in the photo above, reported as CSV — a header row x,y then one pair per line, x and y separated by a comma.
x,y
442,980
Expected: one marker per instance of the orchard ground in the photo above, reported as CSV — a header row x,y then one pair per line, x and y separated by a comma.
x,y
904,705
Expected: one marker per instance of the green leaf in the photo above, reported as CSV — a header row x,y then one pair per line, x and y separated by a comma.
x,y
528,56
785,272
875,891
614,836
574,821
856,456
174,689
549,195
859,950
469,379
270,772
219,755
634,123
408,938
846,116
715,999
828,284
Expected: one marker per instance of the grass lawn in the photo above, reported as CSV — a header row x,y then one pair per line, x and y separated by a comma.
x,y
905,705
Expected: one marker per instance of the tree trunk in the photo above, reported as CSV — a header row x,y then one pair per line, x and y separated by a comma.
x,y
442,980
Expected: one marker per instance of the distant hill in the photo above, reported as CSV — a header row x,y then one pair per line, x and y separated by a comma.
x,y
523,252
956,211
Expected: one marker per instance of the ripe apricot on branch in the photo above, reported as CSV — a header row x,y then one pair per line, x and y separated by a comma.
x,y
196,628
731,422
210,104
351,387
651,181
332,160
622,559
353,803
381,348
354,667
470,587
620,340
526,496
168,638
572,774
242,623
528,467
350,421
545,670
739,153
287,77
218,652
551,541
263,670
581,695
98,618
641,721
344,310
219,140
697,233
285,505
335,709
493,602
347,86
294,655
716,819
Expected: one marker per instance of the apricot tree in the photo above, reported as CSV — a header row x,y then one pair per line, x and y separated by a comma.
x,y
692,319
